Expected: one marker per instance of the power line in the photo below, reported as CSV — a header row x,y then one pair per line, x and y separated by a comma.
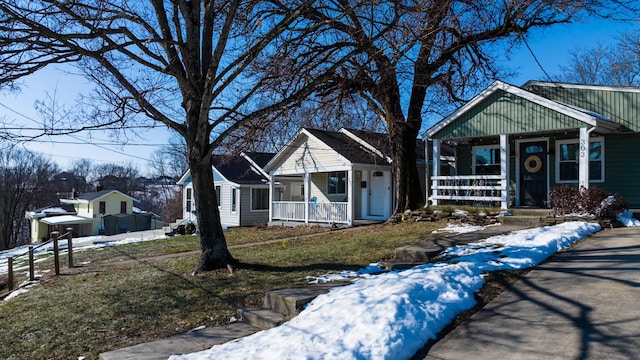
x,y
535,58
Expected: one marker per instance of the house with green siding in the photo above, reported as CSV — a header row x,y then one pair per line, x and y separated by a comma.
x,y
513,144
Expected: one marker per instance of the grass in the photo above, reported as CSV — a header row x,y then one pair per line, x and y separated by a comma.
x,y
93,309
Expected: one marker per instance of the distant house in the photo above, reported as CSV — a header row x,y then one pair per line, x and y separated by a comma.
x,y
514,143
241,186
335,177
66,182
105,212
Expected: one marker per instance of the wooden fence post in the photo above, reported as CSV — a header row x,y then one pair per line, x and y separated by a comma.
x,y
56,258
32,275
70,246
10,266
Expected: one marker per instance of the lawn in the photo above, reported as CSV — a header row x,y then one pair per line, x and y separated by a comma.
x,y
93,309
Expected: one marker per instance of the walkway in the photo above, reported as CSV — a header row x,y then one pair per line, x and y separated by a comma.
x,y
583,304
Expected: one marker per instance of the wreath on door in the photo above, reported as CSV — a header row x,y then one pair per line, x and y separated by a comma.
x,y
533,164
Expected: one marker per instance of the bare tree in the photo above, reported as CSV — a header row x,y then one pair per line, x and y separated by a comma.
x,y
170,160
183,64
330,111
83,168
111,176
617,64
408,52
24,177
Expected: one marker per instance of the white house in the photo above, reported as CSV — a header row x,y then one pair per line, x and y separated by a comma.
x,y
333,177
241,186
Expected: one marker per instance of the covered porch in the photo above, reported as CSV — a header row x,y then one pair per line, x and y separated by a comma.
x,y
512,146
345,196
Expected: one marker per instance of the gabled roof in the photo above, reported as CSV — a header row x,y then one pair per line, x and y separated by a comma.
x,y
243,169
531,83
346,146
587,117
93,196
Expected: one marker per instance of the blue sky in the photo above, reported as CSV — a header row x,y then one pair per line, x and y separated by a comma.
x,y
551,47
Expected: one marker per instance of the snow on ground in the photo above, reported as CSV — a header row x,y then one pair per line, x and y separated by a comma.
x,y
392,315
627,219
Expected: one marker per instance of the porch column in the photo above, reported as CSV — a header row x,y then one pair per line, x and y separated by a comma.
x,y
350,197
504,171
271,195
307,197
435,169
583,158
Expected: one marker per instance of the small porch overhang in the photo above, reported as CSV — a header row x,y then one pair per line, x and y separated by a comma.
x,y
66,220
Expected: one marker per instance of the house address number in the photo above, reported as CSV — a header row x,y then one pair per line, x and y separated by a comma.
x,y
583,148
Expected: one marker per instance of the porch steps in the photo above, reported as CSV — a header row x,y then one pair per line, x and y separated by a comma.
x,y
283,304
526,217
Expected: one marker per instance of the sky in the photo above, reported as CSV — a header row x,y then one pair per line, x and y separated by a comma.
x,y
550,46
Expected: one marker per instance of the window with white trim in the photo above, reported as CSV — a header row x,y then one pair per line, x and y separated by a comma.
x,y
219,195
486,160
188,200
567,169
234,200
337,182
259,199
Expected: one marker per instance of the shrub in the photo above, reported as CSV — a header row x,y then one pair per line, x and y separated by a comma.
x,y
565,199
611,206
590,200
190,228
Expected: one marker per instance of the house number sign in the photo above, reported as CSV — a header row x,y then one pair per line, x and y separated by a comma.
x,y
583,148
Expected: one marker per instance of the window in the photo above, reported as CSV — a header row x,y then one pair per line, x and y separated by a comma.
x,y
259,199
218,194
567,160
337,182
123,207
103,207
188,200
486,160
234,201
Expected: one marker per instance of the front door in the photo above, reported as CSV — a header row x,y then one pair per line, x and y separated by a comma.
x,y
377,194
533,173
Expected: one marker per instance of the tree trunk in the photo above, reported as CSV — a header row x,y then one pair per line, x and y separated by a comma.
x,y
215,254
403,153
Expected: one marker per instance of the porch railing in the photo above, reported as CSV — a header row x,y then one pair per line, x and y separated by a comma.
x,y
481,188
288,210
320,212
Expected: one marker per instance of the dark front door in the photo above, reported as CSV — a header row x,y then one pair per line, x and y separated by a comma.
x,y
533,173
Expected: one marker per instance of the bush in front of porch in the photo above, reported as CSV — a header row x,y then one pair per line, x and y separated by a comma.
x,y
571,200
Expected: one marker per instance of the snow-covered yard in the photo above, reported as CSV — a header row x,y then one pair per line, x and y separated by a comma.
x,y
392,315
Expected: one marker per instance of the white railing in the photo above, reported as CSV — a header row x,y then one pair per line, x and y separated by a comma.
x,y
288,210
482,188
323,212
329,212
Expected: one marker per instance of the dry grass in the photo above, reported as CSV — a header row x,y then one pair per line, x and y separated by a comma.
x,y
93,309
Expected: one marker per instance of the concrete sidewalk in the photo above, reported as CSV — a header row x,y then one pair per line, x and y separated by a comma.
x,y
582,304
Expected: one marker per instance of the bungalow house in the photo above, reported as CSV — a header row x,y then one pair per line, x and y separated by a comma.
x,y
334,177
105,212
514,143
241,189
